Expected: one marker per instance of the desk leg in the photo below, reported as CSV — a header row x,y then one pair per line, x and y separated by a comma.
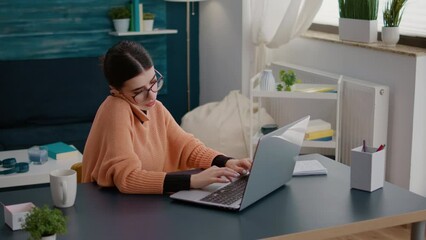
x,y
418,231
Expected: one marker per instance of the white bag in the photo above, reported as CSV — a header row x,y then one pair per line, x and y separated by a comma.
x,y
225,125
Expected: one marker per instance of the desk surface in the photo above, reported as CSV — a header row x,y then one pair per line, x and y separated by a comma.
x,y
309,207
37,174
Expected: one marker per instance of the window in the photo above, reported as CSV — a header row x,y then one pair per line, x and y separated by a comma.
x,y
413,21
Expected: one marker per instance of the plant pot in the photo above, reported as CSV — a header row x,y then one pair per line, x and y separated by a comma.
x,y
357,30
267,81
51,237
148,25
121,25
390,36
287,88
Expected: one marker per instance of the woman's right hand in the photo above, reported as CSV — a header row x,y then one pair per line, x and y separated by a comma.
x,y
211,175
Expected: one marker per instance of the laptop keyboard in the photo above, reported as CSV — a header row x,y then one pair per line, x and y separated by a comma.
x,y
228,194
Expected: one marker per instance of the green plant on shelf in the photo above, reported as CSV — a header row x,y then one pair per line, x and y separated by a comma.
x,y
288,79
359,9
392,13
148,16
119,13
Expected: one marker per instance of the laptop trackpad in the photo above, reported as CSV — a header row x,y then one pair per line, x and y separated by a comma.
x,y
197,194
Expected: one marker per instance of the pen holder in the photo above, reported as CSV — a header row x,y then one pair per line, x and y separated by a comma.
x,y
367,168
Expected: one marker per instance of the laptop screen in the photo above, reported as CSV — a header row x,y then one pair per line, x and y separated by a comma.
x,y
274,160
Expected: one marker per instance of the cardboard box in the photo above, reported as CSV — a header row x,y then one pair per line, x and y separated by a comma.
x,y
14,215
367,168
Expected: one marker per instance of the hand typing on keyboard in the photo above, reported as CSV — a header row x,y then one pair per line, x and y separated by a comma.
x,y
233,169
241,166
211,175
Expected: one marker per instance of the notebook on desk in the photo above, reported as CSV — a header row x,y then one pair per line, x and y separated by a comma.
x,y
272,167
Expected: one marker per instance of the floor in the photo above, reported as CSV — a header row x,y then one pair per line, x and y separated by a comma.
x,y
393,233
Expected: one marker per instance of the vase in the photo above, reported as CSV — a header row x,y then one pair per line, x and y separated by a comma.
x,y
121,25
267,81
148,25
51,237
390,36
357,30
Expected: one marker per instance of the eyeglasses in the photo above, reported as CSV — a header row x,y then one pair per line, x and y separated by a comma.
x,y
155,87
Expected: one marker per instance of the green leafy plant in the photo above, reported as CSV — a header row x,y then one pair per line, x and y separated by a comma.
x,y
359,9
148,16
119,13
41,222
392,13
288,78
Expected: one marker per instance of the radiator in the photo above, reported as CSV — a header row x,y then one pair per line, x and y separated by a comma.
x,y
362,110
364,115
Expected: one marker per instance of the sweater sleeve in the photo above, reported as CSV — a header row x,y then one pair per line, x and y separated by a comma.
x,y
176,182
109,158
220,160
192,152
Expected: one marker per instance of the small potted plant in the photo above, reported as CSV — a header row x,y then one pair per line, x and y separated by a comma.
x,y
392,15
120,16
289,79
148,21
358,20
44,223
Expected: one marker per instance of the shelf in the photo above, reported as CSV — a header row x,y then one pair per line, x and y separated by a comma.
x,y
299,92
266,94
319,86
155,32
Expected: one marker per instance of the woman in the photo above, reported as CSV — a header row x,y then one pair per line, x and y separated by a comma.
x,y
135,144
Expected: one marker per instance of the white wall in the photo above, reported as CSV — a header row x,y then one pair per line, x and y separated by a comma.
x,y
418,168
226,55
397,71
220,48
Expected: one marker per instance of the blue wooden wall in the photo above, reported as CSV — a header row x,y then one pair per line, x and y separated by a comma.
x,y
52,29
44,29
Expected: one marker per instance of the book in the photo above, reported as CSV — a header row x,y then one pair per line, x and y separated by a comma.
x,y
135,13
324,139
61,151
309,167
319,134
141,17
315,88
132,18
317,125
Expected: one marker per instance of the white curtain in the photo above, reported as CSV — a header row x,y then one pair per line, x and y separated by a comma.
x,y
276,22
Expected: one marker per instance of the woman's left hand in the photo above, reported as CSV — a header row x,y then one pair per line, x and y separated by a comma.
x,y
242,166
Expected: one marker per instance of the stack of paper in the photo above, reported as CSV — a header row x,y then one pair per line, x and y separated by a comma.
x,y
309,167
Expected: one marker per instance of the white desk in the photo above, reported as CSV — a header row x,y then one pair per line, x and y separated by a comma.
x,y
37,174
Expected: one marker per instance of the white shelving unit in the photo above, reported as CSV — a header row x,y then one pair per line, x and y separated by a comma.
x,y
314,78
155,32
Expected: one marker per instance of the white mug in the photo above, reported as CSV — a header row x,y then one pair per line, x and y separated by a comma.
x,y
63,186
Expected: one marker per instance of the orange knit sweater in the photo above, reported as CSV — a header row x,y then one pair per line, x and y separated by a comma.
x,y
133,151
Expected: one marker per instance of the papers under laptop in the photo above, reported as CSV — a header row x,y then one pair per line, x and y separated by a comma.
x,y
272,167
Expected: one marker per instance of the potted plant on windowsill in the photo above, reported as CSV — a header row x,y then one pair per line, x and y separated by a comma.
x,y
358,20
120,16
148,21
392,15
44,223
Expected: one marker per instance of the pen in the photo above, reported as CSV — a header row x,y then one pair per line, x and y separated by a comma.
x,y
363,145
381,147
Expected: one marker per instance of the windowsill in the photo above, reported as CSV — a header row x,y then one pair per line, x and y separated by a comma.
x,y
398,49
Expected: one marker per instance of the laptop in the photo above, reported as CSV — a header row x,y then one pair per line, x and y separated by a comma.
x,y
273,165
